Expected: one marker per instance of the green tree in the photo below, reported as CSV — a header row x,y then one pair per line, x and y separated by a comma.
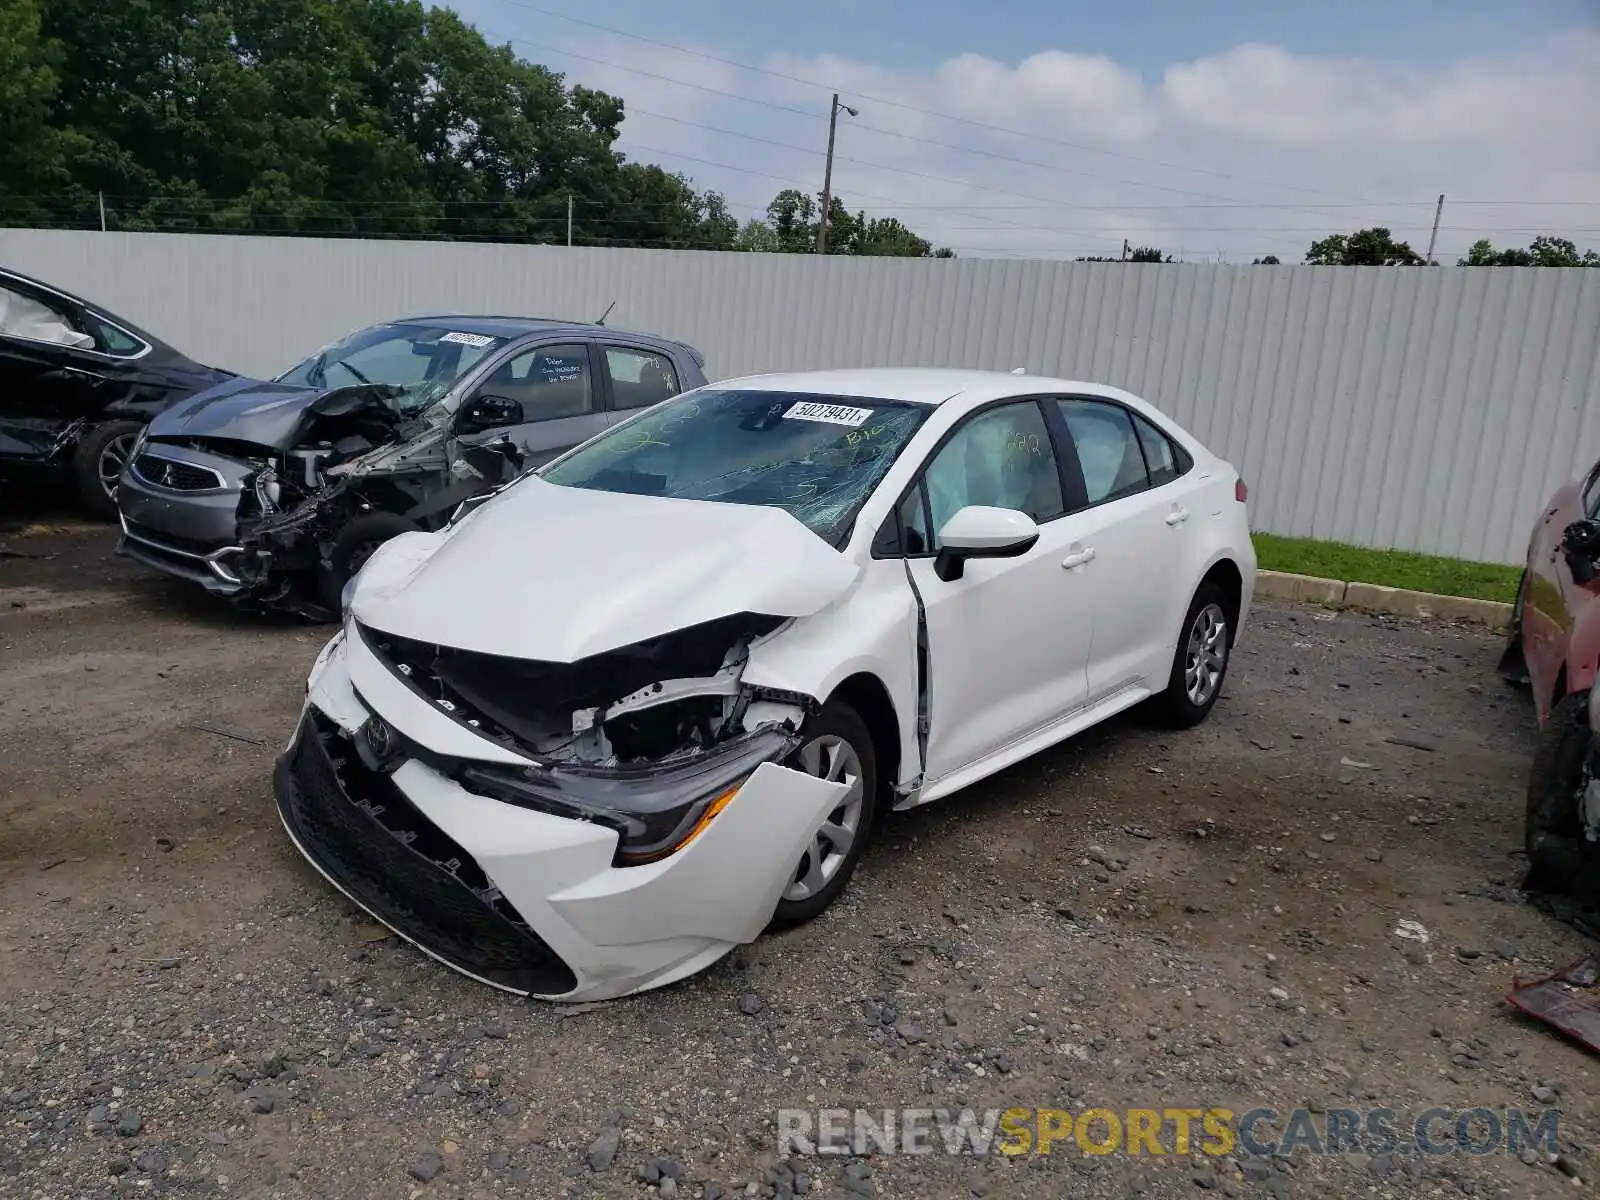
x,y
32,152
1543,252
1365,248
1266,260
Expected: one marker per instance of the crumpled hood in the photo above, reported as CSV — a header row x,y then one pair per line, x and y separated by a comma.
x,y
557,574
269,415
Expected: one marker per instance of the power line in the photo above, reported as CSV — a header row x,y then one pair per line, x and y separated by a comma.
x,y
1082,148
890,133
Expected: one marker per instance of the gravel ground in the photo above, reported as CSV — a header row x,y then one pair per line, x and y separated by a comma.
x,y
1132,920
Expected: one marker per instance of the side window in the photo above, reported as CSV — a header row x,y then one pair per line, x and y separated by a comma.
x,y
112,340
1163,458
1591,492
640,378
35,321
1108,449
550,382
914,523
1002,457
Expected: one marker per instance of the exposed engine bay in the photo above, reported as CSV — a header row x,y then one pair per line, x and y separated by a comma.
x,y
652,704
350,454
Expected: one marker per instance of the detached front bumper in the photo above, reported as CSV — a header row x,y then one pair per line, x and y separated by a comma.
x,y
514,897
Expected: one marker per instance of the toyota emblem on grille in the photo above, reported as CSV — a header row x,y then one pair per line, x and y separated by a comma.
x,y
379,737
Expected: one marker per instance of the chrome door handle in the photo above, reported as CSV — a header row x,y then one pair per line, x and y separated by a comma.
x,y
1178,515
1078,559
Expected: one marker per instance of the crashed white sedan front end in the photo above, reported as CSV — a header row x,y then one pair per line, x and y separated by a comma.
x,y
554,787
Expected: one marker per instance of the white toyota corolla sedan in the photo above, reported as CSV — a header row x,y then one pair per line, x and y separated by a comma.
x,y
636,707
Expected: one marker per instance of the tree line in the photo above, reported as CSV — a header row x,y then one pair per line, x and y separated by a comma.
x,y
1376,247
385,118
364,117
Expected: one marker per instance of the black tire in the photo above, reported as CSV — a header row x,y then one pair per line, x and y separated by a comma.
x,y
1176,708
836,723
1552,829
1513,666
352,548
102,448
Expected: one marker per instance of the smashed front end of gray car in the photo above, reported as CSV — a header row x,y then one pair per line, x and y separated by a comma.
x,y
276,503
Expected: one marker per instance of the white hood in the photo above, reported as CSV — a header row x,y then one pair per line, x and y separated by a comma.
x,y
558,574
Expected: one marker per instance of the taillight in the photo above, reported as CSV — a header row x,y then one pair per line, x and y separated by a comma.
x,y
1240,492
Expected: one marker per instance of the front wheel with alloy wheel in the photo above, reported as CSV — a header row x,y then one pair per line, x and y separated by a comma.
x,y
98,463
1201,663
836,747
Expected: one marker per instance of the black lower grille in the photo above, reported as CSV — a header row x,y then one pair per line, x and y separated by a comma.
x,y
177,476
161,537
360,828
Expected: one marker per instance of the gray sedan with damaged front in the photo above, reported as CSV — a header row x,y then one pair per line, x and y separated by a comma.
x,y
274,494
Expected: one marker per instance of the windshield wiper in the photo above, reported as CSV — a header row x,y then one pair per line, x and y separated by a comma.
x,y
353,371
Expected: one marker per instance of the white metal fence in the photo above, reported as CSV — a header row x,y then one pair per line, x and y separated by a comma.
x,y
1425,409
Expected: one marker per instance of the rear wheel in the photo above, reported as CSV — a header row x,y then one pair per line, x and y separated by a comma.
x,y
837,747
1200,664
98,463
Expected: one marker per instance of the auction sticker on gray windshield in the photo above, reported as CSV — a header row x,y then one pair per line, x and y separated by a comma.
x,y
833,414
467,339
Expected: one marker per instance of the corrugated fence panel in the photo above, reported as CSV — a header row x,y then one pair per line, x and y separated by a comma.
x,y
1427,410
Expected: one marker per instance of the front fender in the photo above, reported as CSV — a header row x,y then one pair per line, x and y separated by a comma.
x,y
1583,653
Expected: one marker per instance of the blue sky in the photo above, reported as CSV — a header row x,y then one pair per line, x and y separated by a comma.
x,y
1145,34
1221,131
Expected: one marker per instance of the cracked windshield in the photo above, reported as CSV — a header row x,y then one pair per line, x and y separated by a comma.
x,y
817,457
418,363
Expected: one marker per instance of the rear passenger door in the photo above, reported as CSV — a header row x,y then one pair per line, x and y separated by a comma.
x,y
1142,522
638,377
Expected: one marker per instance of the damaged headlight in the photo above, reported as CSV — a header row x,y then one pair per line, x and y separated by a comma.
x,y
655,811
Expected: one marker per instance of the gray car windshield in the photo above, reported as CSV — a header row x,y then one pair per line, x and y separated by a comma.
x,y
421,362
816,457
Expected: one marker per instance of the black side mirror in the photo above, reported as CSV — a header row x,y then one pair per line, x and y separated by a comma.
x,y
490,412
1580,542
1582,537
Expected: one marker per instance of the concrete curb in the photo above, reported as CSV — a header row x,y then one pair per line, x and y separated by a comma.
x,y
1373,598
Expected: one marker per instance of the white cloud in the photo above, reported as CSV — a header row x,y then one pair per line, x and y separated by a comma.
x,y
1247,152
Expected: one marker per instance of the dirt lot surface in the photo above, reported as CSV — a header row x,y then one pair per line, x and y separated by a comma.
x,y
1136,919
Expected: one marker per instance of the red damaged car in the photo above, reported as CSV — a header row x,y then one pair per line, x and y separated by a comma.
x,y
1555,649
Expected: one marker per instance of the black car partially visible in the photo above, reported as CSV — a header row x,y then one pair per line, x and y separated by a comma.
x,y
77,384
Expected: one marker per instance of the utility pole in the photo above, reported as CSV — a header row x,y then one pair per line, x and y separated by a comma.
x,y
1124,249
569,218
1434,236
102,212
827,173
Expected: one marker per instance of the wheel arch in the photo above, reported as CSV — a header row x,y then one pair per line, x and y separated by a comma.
x,y
1227,577
869,697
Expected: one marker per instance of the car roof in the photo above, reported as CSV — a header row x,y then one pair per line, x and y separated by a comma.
x,y
920,385
517,327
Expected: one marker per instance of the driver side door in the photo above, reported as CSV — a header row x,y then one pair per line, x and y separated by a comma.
x,y
49,375
554,391
1009,641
